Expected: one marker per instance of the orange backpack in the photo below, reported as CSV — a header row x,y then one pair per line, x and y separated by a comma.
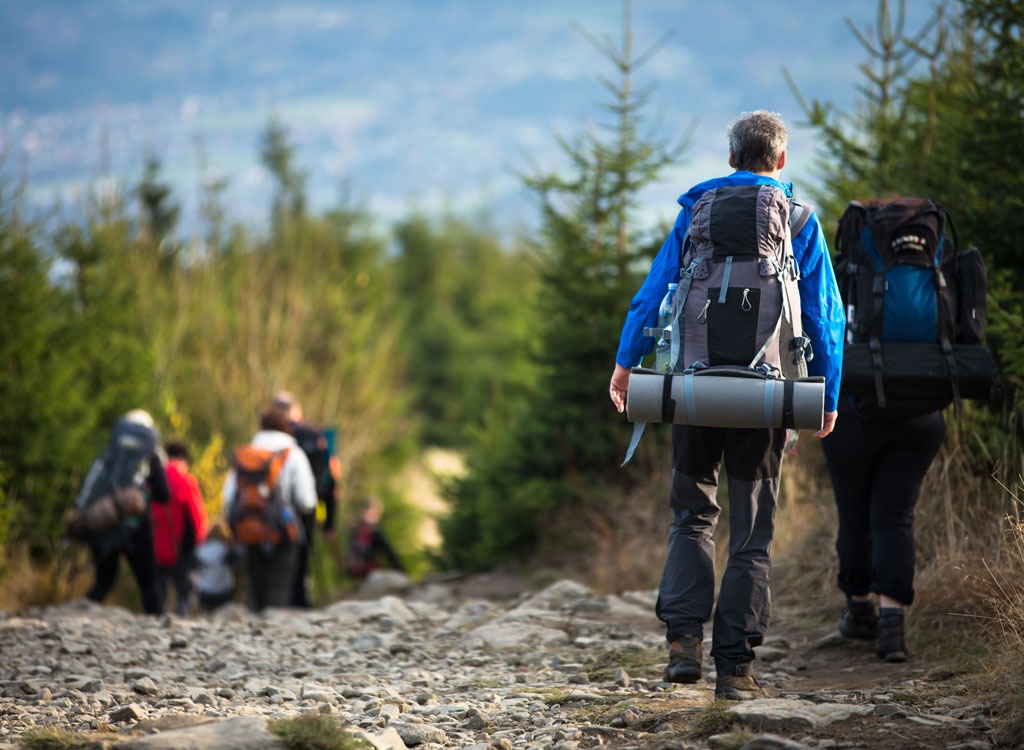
x,y
260,516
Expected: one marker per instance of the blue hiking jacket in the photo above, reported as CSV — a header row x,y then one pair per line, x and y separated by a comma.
x,y
823,316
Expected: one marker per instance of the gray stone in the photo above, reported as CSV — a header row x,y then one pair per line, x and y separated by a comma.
x,y
773,742
131,712
249,732
422,670
785,713
418,734
515,636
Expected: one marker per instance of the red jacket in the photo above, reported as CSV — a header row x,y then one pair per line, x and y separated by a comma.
x,y
181,524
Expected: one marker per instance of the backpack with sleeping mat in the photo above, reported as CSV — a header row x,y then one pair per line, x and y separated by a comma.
x,y
738,353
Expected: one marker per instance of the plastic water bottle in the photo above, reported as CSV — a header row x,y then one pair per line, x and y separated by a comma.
x,y
663,349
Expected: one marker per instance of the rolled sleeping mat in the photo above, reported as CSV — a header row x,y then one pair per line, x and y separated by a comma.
x,y
725,397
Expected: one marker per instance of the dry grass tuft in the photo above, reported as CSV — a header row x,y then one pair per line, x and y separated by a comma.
x,y
613,543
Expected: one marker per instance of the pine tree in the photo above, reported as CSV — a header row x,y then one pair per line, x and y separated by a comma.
x,y
278,157
159,213
562,446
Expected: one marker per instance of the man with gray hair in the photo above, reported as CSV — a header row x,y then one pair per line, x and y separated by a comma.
x,y
752,457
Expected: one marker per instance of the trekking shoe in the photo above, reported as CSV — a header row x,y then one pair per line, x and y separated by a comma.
x,y
737,687
684,658
859,621
891,646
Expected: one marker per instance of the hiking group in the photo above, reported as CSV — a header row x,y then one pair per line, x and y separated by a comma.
x,y
140,501
757,335
742,298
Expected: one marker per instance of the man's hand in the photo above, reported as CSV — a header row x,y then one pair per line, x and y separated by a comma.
x,y
619,386
827,424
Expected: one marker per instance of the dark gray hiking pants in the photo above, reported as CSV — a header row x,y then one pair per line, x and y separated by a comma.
x,y
752,461
271,575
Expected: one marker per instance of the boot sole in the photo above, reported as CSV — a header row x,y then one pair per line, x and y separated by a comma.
x,y
738,695
681,675
896,657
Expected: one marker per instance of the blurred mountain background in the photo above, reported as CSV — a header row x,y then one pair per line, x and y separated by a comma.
x,y
394,104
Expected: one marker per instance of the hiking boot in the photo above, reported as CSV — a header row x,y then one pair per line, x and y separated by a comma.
x,y
684,658
737,687
859,621
891,646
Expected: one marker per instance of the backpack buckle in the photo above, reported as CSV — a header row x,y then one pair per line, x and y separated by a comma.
x,y
801,348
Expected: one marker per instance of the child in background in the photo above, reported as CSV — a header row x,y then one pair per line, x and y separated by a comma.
x,y
215,574
367,542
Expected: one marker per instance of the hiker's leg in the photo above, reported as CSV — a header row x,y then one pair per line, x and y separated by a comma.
x,y
753,459
253,565
911,447
300,589
280,575
851,453
687,590
143,564
162,575
104,561
181,577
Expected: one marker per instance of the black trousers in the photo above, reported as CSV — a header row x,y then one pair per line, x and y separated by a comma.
x,y
686,595
270,574
877,467
135,542
178,577
300,587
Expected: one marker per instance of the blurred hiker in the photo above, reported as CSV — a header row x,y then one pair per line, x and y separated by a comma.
x,y
178,527
269,485
215,569
314,444
752,457
111,511
368,547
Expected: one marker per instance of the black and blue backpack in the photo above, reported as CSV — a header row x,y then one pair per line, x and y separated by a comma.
x,y
915,307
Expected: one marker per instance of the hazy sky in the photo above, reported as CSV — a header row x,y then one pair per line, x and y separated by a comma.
x,y
424,104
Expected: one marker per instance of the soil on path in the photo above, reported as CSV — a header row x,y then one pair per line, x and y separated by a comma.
x,y
917,705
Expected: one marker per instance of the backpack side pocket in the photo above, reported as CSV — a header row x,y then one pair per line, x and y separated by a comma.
x,y
972,290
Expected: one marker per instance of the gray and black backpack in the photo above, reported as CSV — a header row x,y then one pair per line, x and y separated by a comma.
x,y
738,354
737,302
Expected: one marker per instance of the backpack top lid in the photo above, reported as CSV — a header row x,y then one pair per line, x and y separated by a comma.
x,y
134,436
259,465
901,231
741,220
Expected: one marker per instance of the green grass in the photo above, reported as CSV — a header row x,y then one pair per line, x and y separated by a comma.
x,y
316,732
54,739
715,719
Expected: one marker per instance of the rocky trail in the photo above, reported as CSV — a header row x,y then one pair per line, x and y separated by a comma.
x,y
458,663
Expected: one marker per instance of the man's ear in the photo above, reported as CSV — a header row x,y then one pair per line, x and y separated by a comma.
x,y
732,160
782,160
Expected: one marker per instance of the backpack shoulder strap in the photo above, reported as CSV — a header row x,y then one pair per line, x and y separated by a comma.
x,y
799,214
